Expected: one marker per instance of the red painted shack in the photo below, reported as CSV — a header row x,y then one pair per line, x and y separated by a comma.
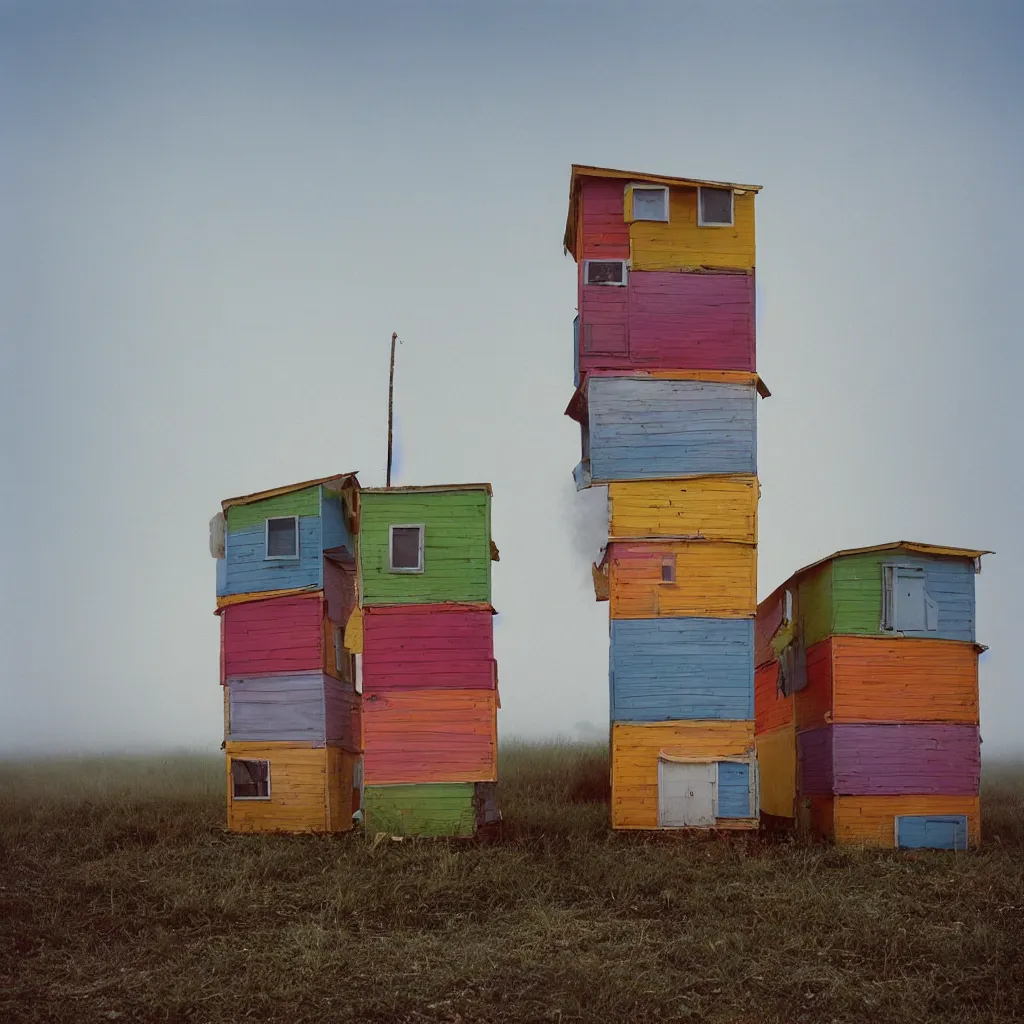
x,y
283,634
420,646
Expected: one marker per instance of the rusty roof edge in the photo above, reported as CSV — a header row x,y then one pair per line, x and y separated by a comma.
x,y
273,492
587,171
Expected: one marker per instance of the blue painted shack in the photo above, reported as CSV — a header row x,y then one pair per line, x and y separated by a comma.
x,y
670,669
659,425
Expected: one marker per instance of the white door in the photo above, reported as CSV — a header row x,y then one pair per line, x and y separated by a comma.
x,y
910,607
686,794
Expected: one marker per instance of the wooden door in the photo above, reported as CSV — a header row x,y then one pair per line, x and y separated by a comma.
x,y
686,794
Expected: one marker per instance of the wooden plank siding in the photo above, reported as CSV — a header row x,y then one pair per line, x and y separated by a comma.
x,y
457,555
301,707
857,593
681,244
430,735
284,634
815,815
339,591
767,622
300,790
248,570
342,797
604,231
772,708
421,646
667,321
337,538
871,820
844,595
887,759
876,679
432,809
665,669
714,508
709,579
647,427
776,763
304,503
635,752
812,705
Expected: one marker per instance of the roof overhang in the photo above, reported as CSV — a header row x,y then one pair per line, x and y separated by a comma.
x,y
577,407
337,482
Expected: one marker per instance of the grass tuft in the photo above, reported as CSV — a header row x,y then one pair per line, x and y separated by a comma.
x,y
122,898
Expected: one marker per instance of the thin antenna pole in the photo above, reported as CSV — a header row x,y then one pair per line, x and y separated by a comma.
x,y
391,403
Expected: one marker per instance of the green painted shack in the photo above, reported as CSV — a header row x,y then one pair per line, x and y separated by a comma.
x,y
447,530
429,678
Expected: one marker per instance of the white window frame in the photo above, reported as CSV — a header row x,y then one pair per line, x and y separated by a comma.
x,y
339,648
787,607
266,538
702,223
663,189
391,532
255,760
890,598
606,284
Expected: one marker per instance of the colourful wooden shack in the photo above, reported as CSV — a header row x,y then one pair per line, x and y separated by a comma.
x,y
429,678
666,396
286,577
867,697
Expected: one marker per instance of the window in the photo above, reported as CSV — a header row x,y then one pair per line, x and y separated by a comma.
x,y
250,780
405,548
344,662
907,606
283,537
714,207
668,569
604,272
650,204
787,608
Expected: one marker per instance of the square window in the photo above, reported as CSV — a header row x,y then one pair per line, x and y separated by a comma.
x,y
250,780
650,203
668,569
611,272
405,548
714,207
283,537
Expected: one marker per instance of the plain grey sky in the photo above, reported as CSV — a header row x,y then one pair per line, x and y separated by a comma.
x,y
212,217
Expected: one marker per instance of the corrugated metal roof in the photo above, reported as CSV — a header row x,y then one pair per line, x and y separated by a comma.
x,y
918,547
339,480
427,488
585,171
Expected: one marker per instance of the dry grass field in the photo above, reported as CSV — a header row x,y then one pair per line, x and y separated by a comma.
x,y
122,898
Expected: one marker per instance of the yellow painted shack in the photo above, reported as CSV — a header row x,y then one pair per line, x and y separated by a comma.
x,y
289,787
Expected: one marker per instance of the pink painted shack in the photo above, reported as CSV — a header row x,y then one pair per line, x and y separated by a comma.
x,y
678,303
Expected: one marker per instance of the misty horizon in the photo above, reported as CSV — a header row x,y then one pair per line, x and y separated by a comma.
x,y
216,217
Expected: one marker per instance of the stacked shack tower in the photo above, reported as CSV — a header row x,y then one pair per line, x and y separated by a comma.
x,y
285,590
666,394
867,697
429,678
